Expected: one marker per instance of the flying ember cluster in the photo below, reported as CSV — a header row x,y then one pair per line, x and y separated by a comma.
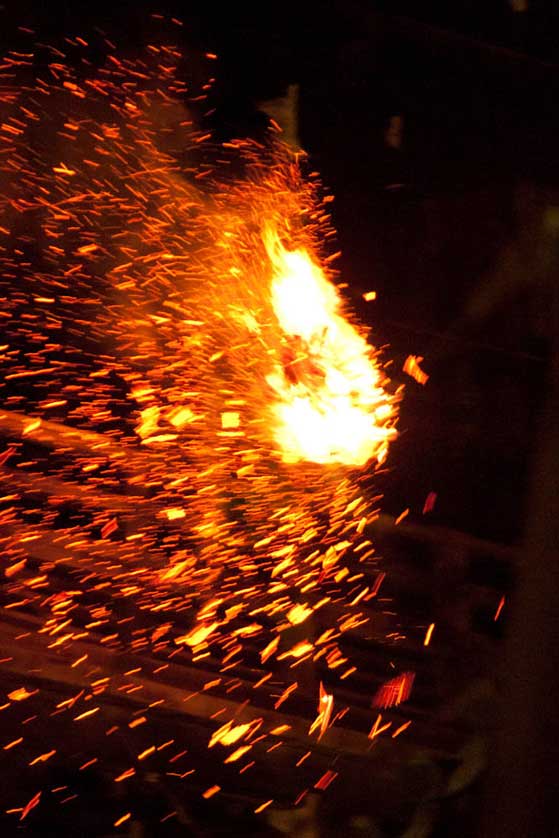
x,y
190,417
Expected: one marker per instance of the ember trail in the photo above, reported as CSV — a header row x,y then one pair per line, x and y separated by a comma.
x,y
187,411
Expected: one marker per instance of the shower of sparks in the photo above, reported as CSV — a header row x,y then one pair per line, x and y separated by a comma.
x,y
174,339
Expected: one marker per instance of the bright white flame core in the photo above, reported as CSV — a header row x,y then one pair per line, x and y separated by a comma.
x,y
331,404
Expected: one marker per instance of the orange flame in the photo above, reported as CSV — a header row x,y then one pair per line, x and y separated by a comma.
x,y
331,404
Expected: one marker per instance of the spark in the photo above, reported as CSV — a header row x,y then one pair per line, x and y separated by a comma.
x,y
401,517
20,694
430,501
125,775
238,753
412,368
86,714
228,734
123,819
325,707
43,757
377,728
428,634
327,778
35,800
499,609
401,729
15,742
394,691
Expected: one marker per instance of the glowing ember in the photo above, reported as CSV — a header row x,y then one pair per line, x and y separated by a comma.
x,y
325,707
395,691
412,368
229,734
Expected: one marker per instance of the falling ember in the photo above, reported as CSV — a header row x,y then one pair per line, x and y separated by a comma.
x,y
429,634
188,410
430,502
19,695
213,790
395,691
499,609
325,707
228,734
122,819
412,368
35,800
327,778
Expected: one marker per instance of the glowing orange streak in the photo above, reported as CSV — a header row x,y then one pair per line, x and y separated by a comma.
x,y
325,707
428,634
412,368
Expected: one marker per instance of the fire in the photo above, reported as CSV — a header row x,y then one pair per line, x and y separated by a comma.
x,y
412,368
179,353
331,404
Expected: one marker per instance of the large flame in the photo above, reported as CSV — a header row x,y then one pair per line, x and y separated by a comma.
x,y
331,405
